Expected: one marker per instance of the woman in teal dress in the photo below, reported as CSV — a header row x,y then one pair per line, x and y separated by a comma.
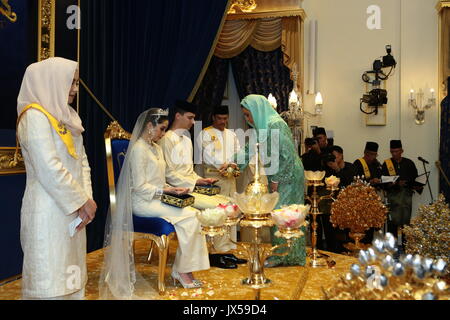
x,y
275,136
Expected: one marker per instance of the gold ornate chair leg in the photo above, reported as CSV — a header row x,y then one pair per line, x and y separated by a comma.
x,y
163,249
152,244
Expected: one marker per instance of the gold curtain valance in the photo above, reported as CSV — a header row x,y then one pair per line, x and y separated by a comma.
x,y
265,34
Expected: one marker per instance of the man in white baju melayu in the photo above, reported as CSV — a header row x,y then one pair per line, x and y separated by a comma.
x,y
178,153
217,145
58,188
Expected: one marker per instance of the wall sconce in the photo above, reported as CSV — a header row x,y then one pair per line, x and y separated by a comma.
x,y
319,103
273,101
417,103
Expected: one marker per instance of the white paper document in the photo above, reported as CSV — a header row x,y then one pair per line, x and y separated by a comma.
x,y
389,179
422,179
73,226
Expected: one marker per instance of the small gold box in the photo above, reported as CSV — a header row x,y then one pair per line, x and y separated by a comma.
x,y
180,201
210,190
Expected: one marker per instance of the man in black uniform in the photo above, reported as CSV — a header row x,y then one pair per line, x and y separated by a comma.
x,y
336,166
339,168
399,193
368,166
320,135
312,160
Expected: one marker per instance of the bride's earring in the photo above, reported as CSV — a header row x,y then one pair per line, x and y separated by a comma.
x,y
150,136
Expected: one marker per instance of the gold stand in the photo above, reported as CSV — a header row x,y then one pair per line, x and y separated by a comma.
x,y
257,252
256,204
317,258
357,246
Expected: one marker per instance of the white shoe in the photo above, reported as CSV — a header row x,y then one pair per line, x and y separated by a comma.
x,y
194,284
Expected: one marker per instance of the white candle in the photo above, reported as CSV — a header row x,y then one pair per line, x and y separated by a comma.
x,y
293,97
411,94
319,99
273,101
432,93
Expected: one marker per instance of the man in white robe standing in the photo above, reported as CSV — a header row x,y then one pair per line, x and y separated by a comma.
x,y
179,156
217,146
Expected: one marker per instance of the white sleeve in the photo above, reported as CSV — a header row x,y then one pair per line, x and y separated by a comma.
x,y
35,133
208,151
142,187
86,175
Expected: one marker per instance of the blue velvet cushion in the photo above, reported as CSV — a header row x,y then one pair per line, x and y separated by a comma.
x,y
156,226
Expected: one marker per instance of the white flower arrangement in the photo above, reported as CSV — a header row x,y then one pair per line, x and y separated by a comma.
x,y
332,181
292,217
212,217
232,210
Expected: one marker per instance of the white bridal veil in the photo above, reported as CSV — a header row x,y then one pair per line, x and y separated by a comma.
x,y
119,278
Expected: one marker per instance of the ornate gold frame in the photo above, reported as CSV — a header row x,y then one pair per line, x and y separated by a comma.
x,y
268,14
46,29
7,165
115,131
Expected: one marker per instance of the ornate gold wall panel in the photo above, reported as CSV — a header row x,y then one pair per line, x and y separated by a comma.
x,y
46,29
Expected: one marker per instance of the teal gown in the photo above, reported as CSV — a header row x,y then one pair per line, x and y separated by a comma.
x,y
290,174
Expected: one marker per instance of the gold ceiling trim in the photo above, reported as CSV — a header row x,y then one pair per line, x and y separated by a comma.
x,y
242,5
268,14
46,29
442,4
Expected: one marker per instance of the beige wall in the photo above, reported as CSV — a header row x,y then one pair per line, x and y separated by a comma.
x,y
347,48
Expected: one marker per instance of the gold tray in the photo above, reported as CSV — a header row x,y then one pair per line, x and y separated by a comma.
x,y
181,201
207,190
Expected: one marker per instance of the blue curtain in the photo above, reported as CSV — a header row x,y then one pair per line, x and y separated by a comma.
x,y
258,72
136,55
212,89
255,72
445,144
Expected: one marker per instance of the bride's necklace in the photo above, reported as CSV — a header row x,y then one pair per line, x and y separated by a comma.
x,y
153,148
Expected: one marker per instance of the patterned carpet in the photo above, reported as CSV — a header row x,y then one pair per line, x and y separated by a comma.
x,y
288,283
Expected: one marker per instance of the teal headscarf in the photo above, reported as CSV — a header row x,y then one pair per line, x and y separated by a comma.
x,y
262,112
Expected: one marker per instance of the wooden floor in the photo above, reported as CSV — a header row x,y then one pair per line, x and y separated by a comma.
x,y
288,283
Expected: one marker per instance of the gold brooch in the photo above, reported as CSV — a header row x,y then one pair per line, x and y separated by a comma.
x,y
62,128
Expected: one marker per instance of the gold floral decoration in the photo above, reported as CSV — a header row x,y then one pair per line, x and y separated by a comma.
x,y
358,208
429,232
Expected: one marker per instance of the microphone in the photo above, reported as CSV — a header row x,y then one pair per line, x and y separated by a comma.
x,y
423,160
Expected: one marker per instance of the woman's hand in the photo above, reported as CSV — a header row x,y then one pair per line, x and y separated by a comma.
x,y
176,191
206,182
87,213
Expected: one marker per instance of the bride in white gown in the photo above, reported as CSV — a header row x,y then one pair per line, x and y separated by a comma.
x,y
142,181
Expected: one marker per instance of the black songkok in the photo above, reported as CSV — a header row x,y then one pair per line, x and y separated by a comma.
x,y
372,146
319,131
221,110
396,144
186,106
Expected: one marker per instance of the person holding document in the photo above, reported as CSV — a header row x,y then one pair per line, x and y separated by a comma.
x,y
401,191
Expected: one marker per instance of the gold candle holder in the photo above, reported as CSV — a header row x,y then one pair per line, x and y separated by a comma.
x,y
315,180
256,204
